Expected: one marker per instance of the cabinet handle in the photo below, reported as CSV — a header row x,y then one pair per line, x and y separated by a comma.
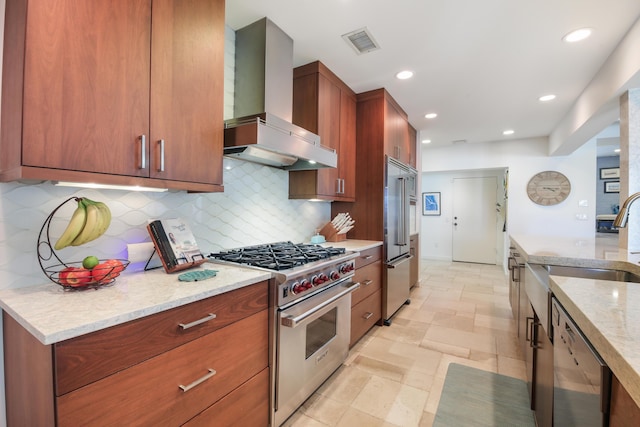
x,y
337,185
368,257
527,329
210,316
143,156
367,315
161,155
367,282
342,186
186,388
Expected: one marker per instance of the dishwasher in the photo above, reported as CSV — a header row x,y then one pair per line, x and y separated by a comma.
x,y
582,381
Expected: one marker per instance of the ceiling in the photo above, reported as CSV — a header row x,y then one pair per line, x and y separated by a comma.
x,y
480,65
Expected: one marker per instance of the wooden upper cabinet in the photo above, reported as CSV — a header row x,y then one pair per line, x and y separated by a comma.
x,y
323,104
397,136
102,85
187,90
413,147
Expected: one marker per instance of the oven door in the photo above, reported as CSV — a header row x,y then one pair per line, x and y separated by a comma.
x,y
313,341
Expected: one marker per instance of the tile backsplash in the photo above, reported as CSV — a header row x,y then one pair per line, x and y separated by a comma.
x,y
253,209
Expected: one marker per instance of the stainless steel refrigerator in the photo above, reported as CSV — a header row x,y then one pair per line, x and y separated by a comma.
x,y
396,237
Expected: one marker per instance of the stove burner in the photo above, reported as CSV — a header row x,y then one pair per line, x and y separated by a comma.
x,y
278,256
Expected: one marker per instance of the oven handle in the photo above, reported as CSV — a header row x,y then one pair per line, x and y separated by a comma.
x,y
293,322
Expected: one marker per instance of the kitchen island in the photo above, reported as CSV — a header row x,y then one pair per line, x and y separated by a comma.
x,y
607,312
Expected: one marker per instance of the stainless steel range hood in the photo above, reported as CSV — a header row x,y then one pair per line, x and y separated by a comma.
x,y
261,130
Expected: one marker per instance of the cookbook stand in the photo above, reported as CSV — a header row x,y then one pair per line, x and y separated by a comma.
x,y
331,234
184,266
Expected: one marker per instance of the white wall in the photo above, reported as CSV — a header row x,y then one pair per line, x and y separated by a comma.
x,y
523,159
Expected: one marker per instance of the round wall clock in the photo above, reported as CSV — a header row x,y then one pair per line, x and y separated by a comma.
x,y
548,188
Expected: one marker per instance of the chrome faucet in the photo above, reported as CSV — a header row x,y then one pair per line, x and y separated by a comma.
x,y
623,215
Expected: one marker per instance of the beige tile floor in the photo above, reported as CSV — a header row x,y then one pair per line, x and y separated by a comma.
x,y
394,375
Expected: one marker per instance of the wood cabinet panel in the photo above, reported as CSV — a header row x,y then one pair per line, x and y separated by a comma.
x,y
84,81
414,250
88,358
368,256
364,315
187,65
323,104
248,405
370,279
86,85
623,411
149,393
27,377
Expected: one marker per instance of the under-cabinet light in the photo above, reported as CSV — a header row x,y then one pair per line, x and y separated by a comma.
x,y
108,187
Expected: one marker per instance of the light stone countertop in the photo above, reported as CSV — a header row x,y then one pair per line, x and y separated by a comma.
x,y
607,312
52,314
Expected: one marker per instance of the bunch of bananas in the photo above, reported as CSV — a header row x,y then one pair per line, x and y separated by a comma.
x,y
89,221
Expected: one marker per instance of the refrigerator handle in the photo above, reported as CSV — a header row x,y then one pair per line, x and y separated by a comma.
x,y
402,226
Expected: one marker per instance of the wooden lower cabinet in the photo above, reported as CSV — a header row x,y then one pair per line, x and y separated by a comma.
x,y
222,365
366,301
623,411
248,405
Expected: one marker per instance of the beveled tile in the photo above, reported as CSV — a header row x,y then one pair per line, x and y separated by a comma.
x,y
323,409
459,338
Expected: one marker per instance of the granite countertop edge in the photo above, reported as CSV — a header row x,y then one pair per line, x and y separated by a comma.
x,y
52,314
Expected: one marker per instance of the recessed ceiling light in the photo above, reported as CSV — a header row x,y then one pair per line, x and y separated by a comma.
x,y
426,141
508,132
403,75
545,98
577,35
431,115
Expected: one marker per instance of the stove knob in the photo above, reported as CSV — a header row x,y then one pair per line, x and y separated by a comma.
x,y
323,278
346,268
297,288
334,275
305,284
319,279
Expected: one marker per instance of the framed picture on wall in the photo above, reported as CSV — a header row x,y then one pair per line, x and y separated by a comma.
x,y
612,187
609,173
430,203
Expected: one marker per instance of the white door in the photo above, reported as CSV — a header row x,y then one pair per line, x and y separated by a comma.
x,y
474,220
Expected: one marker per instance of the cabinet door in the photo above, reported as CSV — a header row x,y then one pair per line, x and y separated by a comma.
x,y
86,85
413,147
187,61
329,131
347,153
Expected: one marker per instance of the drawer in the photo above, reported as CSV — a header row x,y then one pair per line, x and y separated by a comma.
x,y
248,405
370,278
80,361
149,393
368,256
365,315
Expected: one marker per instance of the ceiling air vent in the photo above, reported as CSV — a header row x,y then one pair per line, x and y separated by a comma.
x,y
361,41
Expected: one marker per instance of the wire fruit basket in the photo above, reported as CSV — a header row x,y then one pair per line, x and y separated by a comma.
x,y
72,276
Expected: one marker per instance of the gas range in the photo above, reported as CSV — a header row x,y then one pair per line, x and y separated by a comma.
x,y
300,270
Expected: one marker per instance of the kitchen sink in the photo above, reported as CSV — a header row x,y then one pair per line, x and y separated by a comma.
x,y
593,273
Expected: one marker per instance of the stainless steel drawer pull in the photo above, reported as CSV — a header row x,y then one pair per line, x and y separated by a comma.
x,y
183,326
368,257
186,388
367,315
143,149
367,282
161,156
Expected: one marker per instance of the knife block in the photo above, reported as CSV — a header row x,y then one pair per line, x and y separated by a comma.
x,y
331,234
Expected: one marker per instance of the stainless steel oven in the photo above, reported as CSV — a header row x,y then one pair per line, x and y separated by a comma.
x,y
311,317
313,341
